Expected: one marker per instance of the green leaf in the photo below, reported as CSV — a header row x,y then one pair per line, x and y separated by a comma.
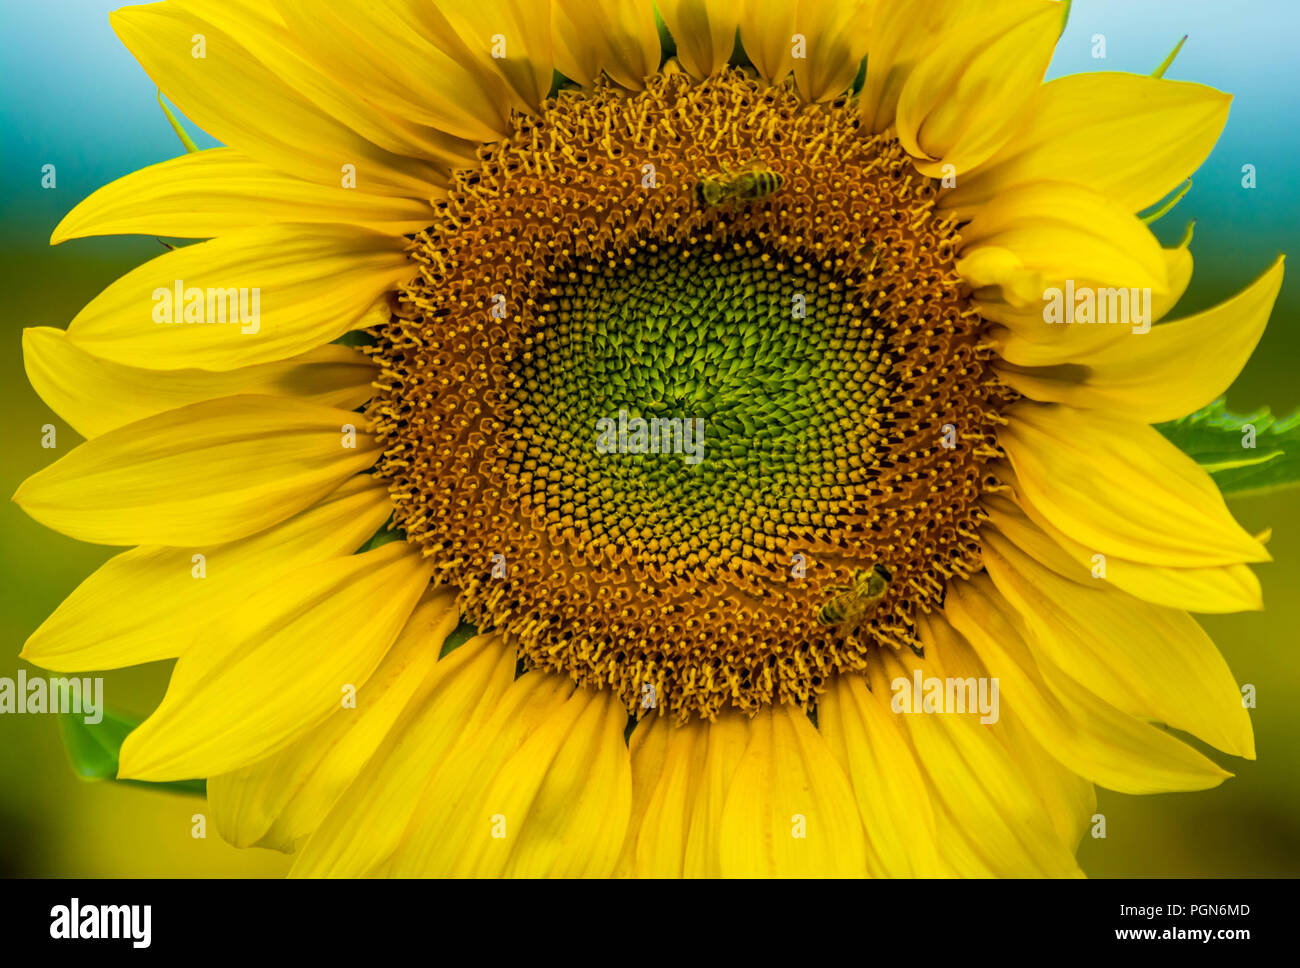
x,y
1217,440
93,749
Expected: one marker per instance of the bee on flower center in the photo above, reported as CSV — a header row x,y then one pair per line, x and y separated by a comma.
x,y
740,187
849,606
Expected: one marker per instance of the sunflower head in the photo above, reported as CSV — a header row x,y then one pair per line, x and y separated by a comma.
x,y
706,371
810,344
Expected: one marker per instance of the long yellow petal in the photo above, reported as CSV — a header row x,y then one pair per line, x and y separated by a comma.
x,y
704,31
1166,128
286,130
648,749
664,824
203,474
146,604
1024,338
266,38
835,41
210,193
870,745
509,37
617,37
1216,589
1173,370
728,738
570,816
767,29
900,35
790,809
545,786
1088,735
967,95
366,824
406,58
266,673
95,396
1121,488
1148,661
1052,231
254,296
279,800
990,801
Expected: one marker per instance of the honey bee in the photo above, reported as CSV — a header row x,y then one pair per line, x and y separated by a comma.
x,y
850,606
750,185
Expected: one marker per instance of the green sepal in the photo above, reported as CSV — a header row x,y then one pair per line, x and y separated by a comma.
x,y
186,140
462,634
93,749
666,42
387,534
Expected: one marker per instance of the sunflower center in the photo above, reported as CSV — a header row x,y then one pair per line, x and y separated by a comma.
x,y
686,398
690,401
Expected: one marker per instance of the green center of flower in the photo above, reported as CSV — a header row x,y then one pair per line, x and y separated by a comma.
x,y
697,403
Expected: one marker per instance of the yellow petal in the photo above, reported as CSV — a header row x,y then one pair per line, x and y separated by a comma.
x,y
664,825
704,31
1173,370
95,396
286,130
1166,128
893,800
406,58
1058,231
989,800
967,95
835,37
1123,489
767,29
1088,735
309,72
367,822
279,800
1026,339
618,37
900,34
1216,589
263,675
509,37
1069,800
544,787
790,809
1148,661
203,474
728,738
648,749
573,823
146,604
210,193
254,296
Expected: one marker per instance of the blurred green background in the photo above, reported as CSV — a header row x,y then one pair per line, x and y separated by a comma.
x,y
74,98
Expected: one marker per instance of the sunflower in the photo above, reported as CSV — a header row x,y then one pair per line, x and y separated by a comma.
x,y
822,235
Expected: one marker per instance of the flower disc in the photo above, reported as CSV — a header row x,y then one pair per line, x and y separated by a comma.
x,y
650,437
